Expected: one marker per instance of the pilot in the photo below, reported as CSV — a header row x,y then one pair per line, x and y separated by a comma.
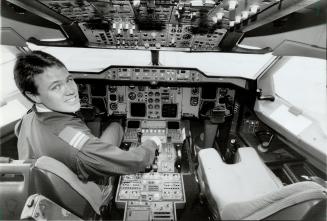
x,y
52,127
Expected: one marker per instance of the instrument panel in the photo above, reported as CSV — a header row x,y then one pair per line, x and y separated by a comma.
x,y
151,196
150,187
144,102
154,101
153,74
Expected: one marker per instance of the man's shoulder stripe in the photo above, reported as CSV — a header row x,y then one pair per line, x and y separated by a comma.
x,y
74,137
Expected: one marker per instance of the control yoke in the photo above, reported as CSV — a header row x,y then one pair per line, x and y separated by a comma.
x,y
213,117
217,114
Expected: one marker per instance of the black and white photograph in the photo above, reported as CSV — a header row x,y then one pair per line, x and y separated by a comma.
x,y
163,110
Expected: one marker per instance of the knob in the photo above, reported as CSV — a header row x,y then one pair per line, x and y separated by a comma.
x,y
131,95
113,106
265,138
195,91
148,168
155,165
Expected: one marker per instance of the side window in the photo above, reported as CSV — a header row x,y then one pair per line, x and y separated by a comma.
x,y
7,62
302,82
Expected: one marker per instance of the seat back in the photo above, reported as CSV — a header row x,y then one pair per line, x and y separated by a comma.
x,y
289,202
58,183
19,179
314,209
249,190
15,187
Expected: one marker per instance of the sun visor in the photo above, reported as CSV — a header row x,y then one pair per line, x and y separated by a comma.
x,y
10,37
247,66
96,60
293,48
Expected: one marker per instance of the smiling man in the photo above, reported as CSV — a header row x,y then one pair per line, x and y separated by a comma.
x,y
52,128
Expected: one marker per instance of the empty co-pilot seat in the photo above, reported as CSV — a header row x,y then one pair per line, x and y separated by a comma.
x,y
249,190
58,183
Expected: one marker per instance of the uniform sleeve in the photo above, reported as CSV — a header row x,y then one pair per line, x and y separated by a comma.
x,y
97,158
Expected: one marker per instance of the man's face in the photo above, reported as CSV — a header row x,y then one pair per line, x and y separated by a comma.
x,y
57,90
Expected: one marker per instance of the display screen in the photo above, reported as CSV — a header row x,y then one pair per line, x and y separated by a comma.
x,y
138,109
133,124
100,104
98,89
209,92
173,125
169,110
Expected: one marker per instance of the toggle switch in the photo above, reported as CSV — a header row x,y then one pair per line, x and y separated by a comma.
x,y
245,15
220,15
238,19
232,5
254,9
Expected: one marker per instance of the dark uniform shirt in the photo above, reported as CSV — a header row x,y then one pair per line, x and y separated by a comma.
x,y
66,138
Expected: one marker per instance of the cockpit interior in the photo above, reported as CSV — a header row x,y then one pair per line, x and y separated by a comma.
x,y
202,75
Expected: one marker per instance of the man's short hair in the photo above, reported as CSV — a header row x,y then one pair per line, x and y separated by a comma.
x,y
30,64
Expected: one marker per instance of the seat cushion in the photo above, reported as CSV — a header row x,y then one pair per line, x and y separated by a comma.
x,y
223,183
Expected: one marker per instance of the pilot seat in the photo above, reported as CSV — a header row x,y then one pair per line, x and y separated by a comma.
x,y
58,183
248,189
55,181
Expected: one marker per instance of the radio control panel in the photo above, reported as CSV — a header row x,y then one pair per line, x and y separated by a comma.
x,y
151,187
136,210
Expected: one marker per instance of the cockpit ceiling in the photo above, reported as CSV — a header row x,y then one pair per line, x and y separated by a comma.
x,y
188,25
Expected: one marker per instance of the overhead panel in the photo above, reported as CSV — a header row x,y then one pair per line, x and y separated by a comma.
x,y
189,25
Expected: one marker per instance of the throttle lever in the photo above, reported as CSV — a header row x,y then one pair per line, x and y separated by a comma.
x,y
139,136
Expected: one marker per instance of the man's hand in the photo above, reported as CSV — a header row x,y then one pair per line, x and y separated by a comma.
x,y
157,141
